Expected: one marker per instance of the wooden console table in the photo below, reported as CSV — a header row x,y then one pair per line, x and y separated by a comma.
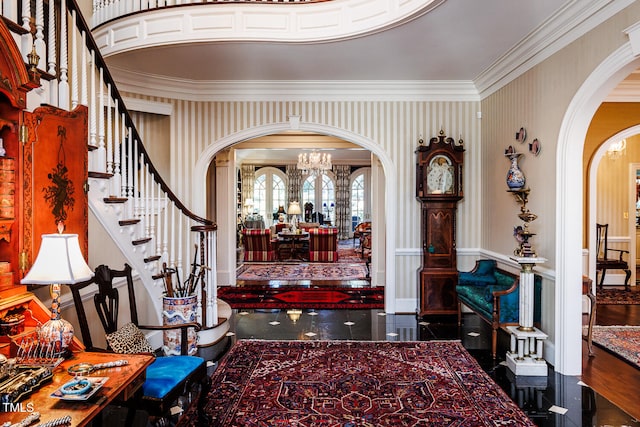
x,y
123,382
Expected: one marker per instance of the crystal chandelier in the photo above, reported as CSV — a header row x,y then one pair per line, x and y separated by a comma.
x,y
315,163
617,149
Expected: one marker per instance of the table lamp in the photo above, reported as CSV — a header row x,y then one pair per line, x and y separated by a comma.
x,y
59,261
248,204
294,210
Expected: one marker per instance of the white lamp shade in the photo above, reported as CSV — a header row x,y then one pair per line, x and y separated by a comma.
x,y
59,260
294,208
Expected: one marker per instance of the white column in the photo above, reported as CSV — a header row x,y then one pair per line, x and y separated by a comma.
x,y
526,359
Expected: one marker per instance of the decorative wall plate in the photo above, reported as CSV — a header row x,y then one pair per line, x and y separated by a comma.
x,y
521,135
535,147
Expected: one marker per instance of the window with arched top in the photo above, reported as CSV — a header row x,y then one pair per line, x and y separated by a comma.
x,y
360,196
320,190
357,201
269,192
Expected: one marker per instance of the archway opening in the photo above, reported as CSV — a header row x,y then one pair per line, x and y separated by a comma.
x,y
383,176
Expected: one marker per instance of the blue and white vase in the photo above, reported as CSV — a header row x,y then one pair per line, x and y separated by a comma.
x,y
515,177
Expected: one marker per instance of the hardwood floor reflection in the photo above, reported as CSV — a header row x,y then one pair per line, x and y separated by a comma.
x,y
613,378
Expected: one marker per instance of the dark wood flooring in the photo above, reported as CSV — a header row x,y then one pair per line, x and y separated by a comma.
x,y
616,380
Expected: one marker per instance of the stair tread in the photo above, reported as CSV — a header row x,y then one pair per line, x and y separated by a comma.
x,y
141,241
152,258
101,175
128,221
113,199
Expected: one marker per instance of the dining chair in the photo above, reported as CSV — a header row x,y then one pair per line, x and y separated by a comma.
x,y
604,262
168,378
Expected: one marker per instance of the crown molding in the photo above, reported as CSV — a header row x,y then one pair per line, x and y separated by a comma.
x,y
146,106
567,25
251,90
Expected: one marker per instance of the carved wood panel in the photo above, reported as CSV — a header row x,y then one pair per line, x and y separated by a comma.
x,y
56,173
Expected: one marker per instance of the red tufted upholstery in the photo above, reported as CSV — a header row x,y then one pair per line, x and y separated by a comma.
x,y
323,244
258,245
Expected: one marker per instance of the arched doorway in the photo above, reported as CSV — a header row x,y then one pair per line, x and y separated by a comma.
x,y
593,200
387,179
569,203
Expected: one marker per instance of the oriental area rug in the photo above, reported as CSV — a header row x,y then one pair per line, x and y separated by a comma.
x,y
623,341
353,383
323,297
302,271
617,296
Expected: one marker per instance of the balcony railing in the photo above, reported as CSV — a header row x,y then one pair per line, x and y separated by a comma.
x,y
107,10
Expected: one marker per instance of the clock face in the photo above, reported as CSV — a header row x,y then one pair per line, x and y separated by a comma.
x,y
440,175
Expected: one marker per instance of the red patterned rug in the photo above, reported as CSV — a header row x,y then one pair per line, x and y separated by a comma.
x,y
354,383
623,341
327,297
348,253
617,296
302,271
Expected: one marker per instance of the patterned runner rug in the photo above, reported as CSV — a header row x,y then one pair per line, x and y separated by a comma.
x,y
302,271
623,341
617,296
354,383
327,297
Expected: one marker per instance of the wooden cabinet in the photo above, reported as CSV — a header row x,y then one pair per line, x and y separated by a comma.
x,y
43,169
15,83
43,175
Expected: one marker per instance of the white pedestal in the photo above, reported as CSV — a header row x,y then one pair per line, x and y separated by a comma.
x,y
525,355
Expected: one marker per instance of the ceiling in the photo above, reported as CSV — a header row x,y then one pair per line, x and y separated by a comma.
x,y
284,149
457,40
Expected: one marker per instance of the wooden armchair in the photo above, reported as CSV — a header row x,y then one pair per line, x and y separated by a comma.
x,y
258,245
359,230
323,244
603,262
168,377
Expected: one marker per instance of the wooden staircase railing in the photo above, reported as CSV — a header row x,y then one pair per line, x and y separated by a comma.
x,y
136,206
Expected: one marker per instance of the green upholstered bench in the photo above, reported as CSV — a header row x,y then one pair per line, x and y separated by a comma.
x,y
493,294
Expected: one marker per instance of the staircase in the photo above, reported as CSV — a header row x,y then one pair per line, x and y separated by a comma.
x,y
136,207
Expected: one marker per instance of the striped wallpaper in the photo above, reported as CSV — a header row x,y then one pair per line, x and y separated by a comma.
x,y
394,127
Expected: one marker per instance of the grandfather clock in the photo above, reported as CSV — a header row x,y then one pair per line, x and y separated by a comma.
x,y
438,188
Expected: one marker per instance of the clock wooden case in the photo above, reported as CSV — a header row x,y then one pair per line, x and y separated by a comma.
x,y
438,188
